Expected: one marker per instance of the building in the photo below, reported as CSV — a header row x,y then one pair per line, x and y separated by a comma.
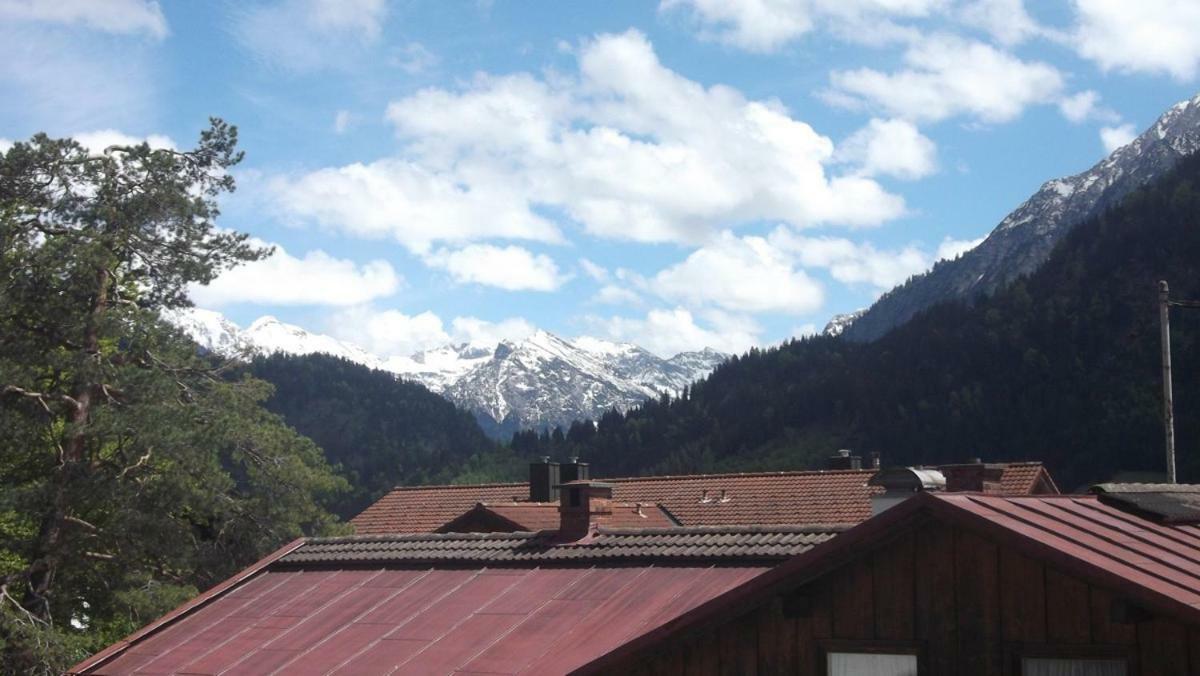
x,y
536,603
945,584
840,495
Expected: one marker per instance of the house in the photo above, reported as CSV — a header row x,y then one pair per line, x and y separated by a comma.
x,y
1105,584
840,495
541,602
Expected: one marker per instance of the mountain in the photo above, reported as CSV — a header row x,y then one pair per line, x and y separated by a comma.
x,y
838,323
1060,366
1024,239
539,382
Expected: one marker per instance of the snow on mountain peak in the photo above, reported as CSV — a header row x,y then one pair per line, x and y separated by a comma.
x,y
537,382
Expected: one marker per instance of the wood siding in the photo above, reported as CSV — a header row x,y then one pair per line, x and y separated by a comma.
x,y
964,604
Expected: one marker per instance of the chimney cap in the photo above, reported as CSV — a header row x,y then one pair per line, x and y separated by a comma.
x,y
585,482
909,478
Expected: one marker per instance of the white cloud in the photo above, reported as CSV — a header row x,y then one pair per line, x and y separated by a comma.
x,y
1079,107
1115,137
5,144
890,147
947,76
745,274
341,121
950,248
667,332
110,16
308,35
97,141
315,279
628,149
1005,20
511,268
389,332
1147,36
597,272
851,262
767,25
481,332
611,294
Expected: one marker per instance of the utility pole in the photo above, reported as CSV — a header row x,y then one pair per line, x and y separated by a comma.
x,y
1164,316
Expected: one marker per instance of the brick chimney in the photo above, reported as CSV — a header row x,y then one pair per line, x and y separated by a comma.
x,y
581,505
974,475
543,480
573,470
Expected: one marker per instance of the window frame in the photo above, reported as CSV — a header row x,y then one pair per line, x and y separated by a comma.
x,y
1016,653
826,646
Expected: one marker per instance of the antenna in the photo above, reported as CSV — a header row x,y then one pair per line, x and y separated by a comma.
x,y
1164,316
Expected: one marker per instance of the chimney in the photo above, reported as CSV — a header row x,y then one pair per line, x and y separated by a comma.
x,y
844,460
901,483
543,480
974,475
573,471
876,461
581,505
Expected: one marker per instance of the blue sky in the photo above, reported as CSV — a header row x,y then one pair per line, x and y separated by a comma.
x,y
676,174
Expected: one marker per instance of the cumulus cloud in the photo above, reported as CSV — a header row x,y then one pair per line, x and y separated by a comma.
x,y
892,148
951,248
947,76
5,144
1115,137
1006,21
612,294
597,272
1148,36
852,262
308,35
413,58
511,268
127,17
767,25
626,148
393,333
746,274
667,332
481,332
315,279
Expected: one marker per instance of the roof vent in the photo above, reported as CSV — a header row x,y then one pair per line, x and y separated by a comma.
x,y
901,483
724,498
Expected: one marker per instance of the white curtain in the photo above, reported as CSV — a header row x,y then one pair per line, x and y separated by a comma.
x,y
1046,666
871,664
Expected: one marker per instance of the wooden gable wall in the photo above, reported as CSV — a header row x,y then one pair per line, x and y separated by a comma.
x,y
965,604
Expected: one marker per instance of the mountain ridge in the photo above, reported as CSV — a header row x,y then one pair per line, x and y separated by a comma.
x,y
539,382
1023,240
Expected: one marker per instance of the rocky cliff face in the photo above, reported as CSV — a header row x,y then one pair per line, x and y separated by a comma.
x,y
1024,239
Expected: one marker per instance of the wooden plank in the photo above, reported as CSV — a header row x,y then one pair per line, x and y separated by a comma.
x,y
772,639
1068,609
853,601
702,657
1104,630
1163,648
806,646
747,642
893,587
1022,598
1194,658
977,595
822,609
934,600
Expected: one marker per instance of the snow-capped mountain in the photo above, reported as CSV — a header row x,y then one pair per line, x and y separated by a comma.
x,y
1024,239
838,323
538,382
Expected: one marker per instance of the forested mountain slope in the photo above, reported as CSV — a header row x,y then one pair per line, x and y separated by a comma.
x,y
376,430
1062,366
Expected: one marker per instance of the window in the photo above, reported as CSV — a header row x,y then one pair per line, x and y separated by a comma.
x,y
1051,666
871,664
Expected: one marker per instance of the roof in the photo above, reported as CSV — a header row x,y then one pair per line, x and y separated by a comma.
x,y
535,516
1168,503
440,603
1155,565
802,497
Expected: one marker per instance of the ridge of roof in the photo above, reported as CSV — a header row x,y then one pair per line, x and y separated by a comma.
x,y
1145,488
604,530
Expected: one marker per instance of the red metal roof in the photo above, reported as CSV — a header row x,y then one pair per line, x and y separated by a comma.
x,y
1157,565
808,497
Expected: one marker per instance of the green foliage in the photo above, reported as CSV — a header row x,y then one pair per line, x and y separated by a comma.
x,y
379,431
132,471
1062,366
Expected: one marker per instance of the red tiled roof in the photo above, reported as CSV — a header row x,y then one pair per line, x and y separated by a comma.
x,y
805,497
535,516
447,603
1154,565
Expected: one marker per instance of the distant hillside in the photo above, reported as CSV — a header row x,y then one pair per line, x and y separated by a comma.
x,y
377,430
1025,238
1062,366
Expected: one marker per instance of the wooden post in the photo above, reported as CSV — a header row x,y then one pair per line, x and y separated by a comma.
x,y
1168,402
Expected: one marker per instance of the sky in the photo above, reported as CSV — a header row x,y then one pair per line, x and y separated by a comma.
x,y
678,174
